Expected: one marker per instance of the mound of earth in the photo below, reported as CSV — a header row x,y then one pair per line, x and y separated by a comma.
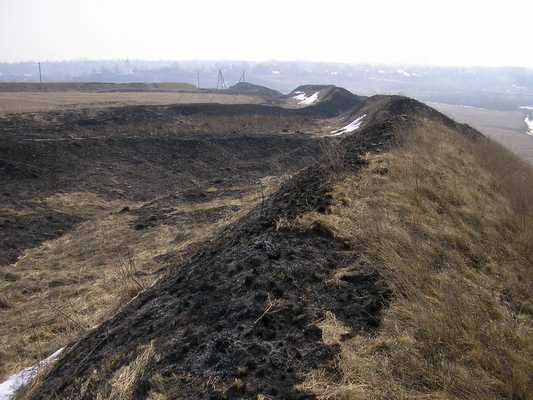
x,y
378,109
246,88
327,100
240,319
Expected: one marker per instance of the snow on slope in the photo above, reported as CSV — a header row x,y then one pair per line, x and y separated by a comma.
x,y
303,99
16,381
352,126
529,123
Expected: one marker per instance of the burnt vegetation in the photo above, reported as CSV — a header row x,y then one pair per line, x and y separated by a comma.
x,y
262,263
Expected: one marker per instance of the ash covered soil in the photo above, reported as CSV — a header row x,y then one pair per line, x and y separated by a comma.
x,y
137,154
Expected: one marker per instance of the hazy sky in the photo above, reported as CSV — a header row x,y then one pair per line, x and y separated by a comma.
x,y
446,32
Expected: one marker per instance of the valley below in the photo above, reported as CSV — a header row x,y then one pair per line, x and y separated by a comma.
x,y
509,128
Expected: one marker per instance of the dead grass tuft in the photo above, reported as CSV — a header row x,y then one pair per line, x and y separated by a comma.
x,y
127,379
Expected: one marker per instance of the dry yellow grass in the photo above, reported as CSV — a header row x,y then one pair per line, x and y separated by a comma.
x,y
448,225
18,102
70,284
126,380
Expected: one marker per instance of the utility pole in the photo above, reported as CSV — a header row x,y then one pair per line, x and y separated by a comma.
x,y
221,83
198,79
243,77
40,74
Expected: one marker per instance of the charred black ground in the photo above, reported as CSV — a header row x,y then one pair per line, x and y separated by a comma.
x,y
142,152
138,154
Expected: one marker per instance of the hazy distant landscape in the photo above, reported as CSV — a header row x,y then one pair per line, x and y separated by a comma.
x,y
287,200
495,100
493,88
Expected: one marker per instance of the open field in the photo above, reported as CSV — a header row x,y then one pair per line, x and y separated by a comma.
x,y
96,87
20,102
506,127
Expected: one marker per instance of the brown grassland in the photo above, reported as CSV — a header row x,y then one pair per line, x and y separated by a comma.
x,y
18,102
449,225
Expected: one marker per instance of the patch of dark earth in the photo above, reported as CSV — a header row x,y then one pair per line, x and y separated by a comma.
x,y
138,169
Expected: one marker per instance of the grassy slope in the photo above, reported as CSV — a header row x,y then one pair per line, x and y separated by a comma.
x,y
449,225
506,127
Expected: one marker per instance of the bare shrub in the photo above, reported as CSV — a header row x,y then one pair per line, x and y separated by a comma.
x,y
128,277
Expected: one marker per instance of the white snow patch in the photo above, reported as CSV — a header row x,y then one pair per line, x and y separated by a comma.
x,y
529,123
300,96
304,99
9,387
527,108
311,99
352,126
276,72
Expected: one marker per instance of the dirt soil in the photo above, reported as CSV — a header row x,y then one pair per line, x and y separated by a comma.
x,y
95,203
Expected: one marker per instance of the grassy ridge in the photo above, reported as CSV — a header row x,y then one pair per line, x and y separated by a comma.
x,y
448,223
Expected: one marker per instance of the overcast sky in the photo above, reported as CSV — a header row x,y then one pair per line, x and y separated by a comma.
x,y
441,32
